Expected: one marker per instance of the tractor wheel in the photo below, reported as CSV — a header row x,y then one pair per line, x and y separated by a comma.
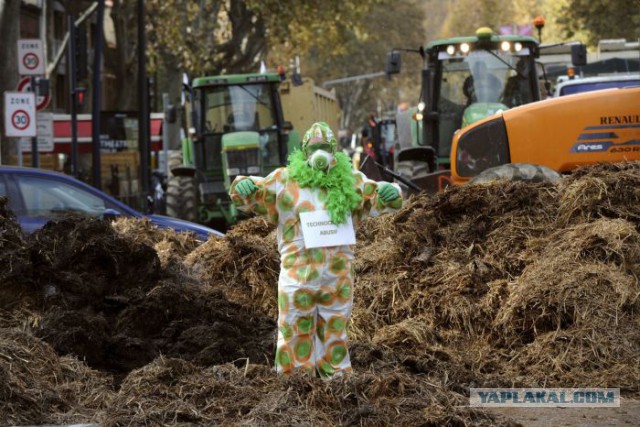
x,y
175,159
517,172
412,168
182,198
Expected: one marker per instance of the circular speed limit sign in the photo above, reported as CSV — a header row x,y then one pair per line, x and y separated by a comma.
x,y
31,61
20,119
20,114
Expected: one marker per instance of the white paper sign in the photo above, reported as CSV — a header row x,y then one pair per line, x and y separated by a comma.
x,y
319,232
45,134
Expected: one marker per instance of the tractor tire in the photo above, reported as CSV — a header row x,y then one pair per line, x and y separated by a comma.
x,y
412,168
182,198
517,172
175,159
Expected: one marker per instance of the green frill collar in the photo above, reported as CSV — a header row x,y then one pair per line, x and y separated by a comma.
x,y
338,181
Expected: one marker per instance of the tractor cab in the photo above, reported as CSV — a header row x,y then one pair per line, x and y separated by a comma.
x,y
464,79
238,129
470,78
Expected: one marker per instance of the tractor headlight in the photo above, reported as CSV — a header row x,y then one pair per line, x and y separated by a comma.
x,y
482,147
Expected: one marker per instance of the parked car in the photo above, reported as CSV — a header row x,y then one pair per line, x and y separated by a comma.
x,y
37,196
586,84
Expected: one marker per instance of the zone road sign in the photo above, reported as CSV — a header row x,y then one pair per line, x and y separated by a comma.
x,y
20,114
30,57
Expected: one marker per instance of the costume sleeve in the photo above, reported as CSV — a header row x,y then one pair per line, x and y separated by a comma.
x,y
263,200
371,205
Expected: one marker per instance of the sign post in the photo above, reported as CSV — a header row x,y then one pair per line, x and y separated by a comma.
x,y
31,63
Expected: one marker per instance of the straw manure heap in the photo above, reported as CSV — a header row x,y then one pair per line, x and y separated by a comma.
x,y
507,284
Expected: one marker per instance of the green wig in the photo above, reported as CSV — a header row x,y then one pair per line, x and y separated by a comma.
x,y
338,181
319,132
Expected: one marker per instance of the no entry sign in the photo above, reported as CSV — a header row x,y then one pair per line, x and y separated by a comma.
x,y
19,114
30,57
24,85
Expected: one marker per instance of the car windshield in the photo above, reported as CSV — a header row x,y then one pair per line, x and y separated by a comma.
x,y
589,86
46,197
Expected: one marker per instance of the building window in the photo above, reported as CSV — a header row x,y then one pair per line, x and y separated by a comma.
x,y
59,25
29,23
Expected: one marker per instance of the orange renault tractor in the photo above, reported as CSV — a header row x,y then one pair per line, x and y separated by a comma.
x,y
541,140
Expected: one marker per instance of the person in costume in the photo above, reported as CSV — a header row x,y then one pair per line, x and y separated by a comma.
x,y
316,201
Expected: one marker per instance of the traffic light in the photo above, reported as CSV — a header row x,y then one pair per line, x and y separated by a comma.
x,y
81,53
392,64
80,96
579,55
42,86
151,92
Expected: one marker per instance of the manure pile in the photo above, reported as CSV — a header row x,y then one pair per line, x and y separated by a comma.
x,y
507,284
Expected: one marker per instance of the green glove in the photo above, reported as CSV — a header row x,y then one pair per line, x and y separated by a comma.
x,y
387,192
245,187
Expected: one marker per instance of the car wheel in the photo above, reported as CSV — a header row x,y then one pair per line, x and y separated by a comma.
x,y
182,198
517,172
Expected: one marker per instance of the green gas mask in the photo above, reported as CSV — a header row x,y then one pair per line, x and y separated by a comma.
x,y
319,156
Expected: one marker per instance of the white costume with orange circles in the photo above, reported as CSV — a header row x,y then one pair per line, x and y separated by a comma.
x,y
315,287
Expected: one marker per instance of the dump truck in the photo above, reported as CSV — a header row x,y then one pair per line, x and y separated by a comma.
x,y
550,137
304,103
236,126
464,79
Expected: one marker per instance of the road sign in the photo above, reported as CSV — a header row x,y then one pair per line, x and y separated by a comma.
x,y
20,114
42,102
30,57
45,134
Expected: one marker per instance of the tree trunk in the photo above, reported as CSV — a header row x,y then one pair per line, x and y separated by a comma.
x,y
123,56
9,34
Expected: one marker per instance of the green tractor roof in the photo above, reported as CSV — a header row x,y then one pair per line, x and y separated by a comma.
x,y
234,79
482,35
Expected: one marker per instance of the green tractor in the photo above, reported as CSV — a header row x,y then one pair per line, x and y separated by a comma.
x,y
464,79
236,128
